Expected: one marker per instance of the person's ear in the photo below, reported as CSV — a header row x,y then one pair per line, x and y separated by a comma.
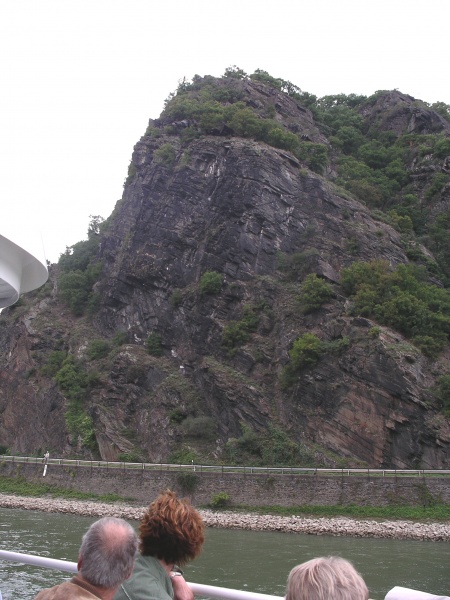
x,y
79,563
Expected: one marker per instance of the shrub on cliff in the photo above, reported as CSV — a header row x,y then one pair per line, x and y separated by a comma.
x,y
237,333
306,351
154,344
98,349
165,154
443,392
314,292
54,363
211,282
72,379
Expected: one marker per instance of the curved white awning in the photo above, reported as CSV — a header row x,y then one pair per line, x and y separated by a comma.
x,y
20,272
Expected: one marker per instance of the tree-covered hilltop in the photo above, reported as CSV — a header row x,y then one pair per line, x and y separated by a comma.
x,y
379,156
273,288
378,153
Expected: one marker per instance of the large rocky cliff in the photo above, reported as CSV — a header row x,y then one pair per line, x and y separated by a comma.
x,y
182,350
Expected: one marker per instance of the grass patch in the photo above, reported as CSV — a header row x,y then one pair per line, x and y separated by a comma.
x,y
438,512
22,487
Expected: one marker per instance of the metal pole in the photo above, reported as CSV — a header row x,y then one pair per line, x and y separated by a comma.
x,y
198,588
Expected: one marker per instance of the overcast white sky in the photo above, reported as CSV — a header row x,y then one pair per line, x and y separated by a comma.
x,y
81,78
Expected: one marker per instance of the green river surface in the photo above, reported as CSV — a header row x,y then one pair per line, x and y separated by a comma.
x,y
253,561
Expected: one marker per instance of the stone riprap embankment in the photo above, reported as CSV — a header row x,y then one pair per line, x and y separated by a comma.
x,y
338,526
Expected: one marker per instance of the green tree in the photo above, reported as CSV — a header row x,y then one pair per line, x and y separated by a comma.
x,y
401,298
78,256
265,77
154,344
74,382
402,223
72,379
95,225
442,108
348,139
437,184
443,392
314,155
54,363
438,239
363,273
234,334
442,147
411,207
374,154
212,117
235,72
165,154
246,123
306,351
75,287
404,312
98,349
278,448
314,292
237,333
211,282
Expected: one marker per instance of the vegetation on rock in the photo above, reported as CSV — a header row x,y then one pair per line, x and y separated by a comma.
x,y
402,299
292,253
211,282
75,383
154,344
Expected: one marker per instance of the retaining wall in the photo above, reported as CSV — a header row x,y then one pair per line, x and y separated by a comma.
x,y
245,489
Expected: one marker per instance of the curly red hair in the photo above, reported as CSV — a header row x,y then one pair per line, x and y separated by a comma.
x,y
171,530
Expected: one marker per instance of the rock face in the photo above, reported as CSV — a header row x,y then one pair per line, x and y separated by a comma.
x,y
242,209
400,113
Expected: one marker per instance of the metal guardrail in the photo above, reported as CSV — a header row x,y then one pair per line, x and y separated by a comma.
x,y
71,567
198,589
247,470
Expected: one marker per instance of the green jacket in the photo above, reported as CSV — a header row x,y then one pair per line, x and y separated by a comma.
x,y
149,581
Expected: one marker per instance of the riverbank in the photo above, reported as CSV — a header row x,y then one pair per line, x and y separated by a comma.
x,y
336,526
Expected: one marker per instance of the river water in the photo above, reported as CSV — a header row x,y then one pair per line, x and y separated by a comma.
x,y
254,561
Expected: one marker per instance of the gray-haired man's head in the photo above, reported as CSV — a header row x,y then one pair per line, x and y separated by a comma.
x,y
107,552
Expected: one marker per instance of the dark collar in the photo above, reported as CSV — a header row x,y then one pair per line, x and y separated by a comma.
x,y
85,585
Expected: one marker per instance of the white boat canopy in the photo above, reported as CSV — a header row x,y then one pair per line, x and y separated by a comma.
x,y
20,272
